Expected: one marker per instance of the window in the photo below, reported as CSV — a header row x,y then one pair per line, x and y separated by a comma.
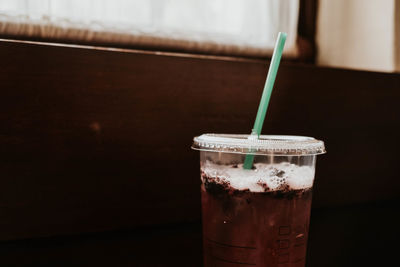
x,y
232,27
359,34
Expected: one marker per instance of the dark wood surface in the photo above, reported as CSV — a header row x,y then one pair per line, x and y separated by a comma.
x,y
397,35
94,140
306,30
356,235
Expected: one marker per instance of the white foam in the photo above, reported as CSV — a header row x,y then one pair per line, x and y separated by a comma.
x,y
274,176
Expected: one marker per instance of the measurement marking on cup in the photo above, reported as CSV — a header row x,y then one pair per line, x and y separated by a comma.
x,y
299,245
234,262
298,260
229,245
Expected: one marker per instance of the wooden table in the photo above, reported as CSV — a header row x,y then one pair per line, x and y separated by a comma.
x,y
90,139
359,235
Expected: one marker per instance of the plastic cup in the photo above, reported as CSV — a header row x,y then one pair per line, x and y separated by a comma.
x,y
260,216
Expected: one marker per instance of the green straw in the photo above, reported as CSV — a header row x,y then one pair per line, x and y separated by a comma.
x,y
266,95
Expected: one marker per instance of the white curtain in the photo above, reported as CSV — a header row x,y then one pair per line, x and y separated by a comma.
x,y
246,27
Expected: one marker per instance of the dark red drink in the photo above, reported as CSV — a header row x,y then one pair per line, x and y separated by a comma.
x,y
256,214
243,228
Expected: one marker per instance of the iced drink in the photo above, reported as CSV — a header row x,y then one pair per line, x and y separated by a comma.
x,y
256,217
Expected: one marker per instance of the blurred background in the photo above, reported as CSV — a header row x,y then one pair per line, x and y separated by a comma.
x,y
352,34
100,101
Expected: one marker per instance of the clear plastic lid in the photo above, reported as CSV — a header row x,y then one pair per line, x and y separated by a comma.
x,y
264,145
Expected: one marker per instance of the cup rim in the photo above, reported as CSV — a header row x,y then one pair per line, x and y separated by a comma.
x,y
262,145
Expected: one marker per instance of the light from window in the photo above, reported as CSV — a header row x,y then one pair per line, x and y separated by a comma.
x,y
221,26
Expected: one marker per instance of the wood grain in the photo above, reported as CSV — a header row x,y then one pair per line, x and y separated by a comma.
x,y
95,140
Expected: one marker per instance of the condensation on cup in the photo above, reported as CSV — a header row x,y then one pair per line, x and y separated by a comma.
x,y
258,216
